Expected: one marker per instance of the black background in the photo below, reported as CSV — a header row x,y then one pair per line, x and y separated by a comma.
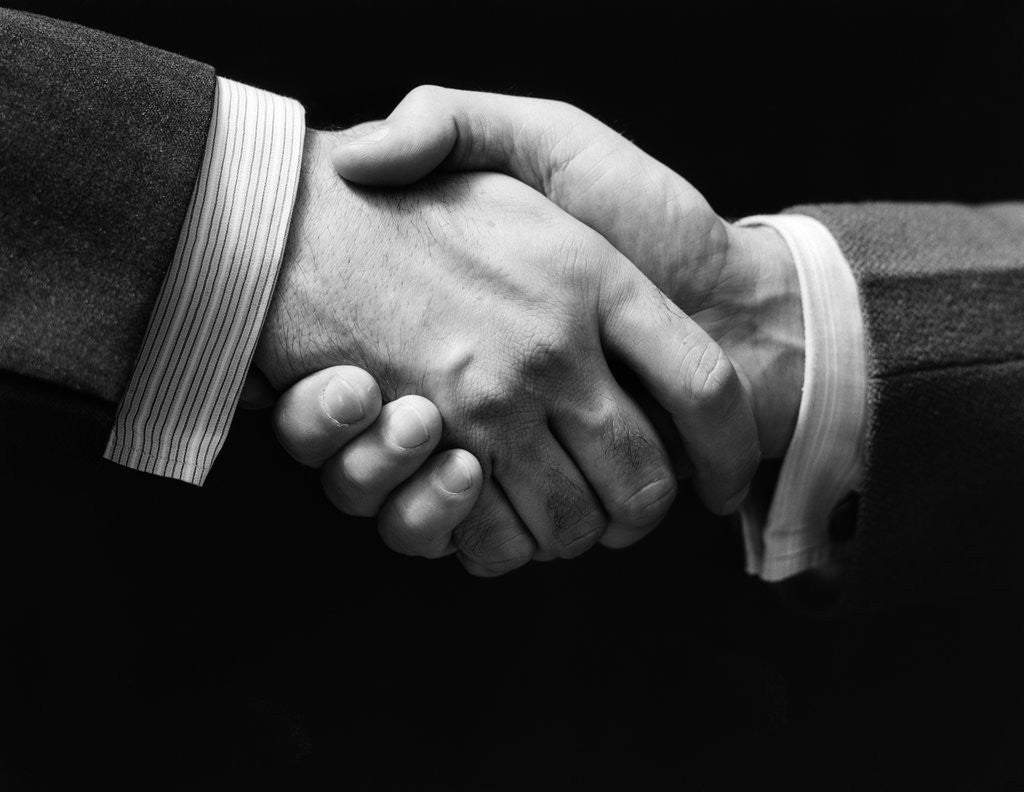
x,y
169,637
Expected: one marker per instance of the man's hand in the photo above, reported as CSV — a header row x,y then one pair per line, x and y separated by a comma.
x,y
738,283
482,296
379,459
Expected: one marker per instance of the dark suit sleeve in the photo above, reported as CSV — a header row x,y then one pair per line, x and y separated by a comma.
x,y
101,140
942,291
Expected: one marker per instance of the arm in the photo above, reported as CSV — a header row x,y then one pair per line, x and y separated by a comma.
x,y
146,207
942,290
102,140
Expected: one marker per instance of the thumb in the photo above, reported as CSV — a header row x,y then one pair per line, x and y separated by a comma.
x,y
436,127
646,210
693,380
414,141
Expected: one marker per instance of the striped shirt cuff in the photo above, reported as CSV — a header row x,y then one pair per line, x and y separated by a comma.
x,y
823,463
174,416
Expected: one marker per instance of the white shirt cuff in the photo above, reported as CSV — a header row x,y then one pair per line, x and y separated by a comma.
x,y
824,461
174,416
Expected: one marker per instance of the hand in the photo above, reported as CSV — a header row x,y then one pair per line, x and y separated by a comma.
x,y
377,459
738,283
482,296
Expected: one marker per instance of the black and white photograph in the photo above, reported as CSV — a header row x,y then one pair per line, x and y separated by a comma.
x,y
512,396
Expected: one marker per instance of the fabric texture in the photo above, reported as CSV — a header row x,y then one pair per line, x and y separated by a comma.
x,y
789,533
101,140
175,415
942,287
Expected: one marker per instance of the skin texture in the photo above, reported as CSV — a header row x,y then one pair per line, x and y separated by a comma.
x,y
739,284
475,292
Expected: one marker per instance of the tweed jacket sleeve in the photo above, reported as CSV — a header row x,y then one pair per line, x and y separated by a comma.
x,y
101,140
942,290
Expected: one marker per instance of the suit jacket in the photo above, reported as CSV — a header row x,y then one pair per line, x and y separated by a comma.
x,y
942,291
101,140
244,633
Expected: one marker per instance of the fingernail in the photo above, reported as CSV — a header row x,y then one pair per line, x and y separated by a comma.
x,y
407,429
373,136
341,403
455,475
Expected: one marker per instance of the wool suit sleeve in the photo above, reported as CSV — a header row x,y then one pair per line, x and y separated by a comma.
x,y
101,140
942,292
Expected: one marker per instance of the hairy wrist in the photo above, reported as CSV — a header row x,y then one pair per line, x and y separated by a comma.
x,y
272,358
287,350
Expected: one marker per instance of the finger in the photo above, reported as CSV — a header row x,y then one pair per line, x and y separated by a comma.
x,y
493,540
413,142
257,392
461,130
551,497
420,516
622,457
659,418
318,415
692,378
362,474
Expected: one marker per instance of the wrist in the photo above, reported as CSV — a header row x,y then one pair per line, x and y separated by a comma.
x,y
771,355
285,351
276,353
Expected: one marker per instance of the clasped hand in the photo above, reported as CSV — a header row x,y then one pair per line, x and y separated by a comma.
x,y
502,302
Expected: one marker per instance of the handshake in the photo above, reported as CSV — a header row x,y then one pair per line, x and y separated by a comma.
x,y
589,328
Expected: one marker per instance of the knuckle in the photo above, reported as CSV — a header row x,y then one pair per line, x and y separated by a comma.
x,y
491,399
577,522
597,414
548,351
626,444
569,133
425,94
497,395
